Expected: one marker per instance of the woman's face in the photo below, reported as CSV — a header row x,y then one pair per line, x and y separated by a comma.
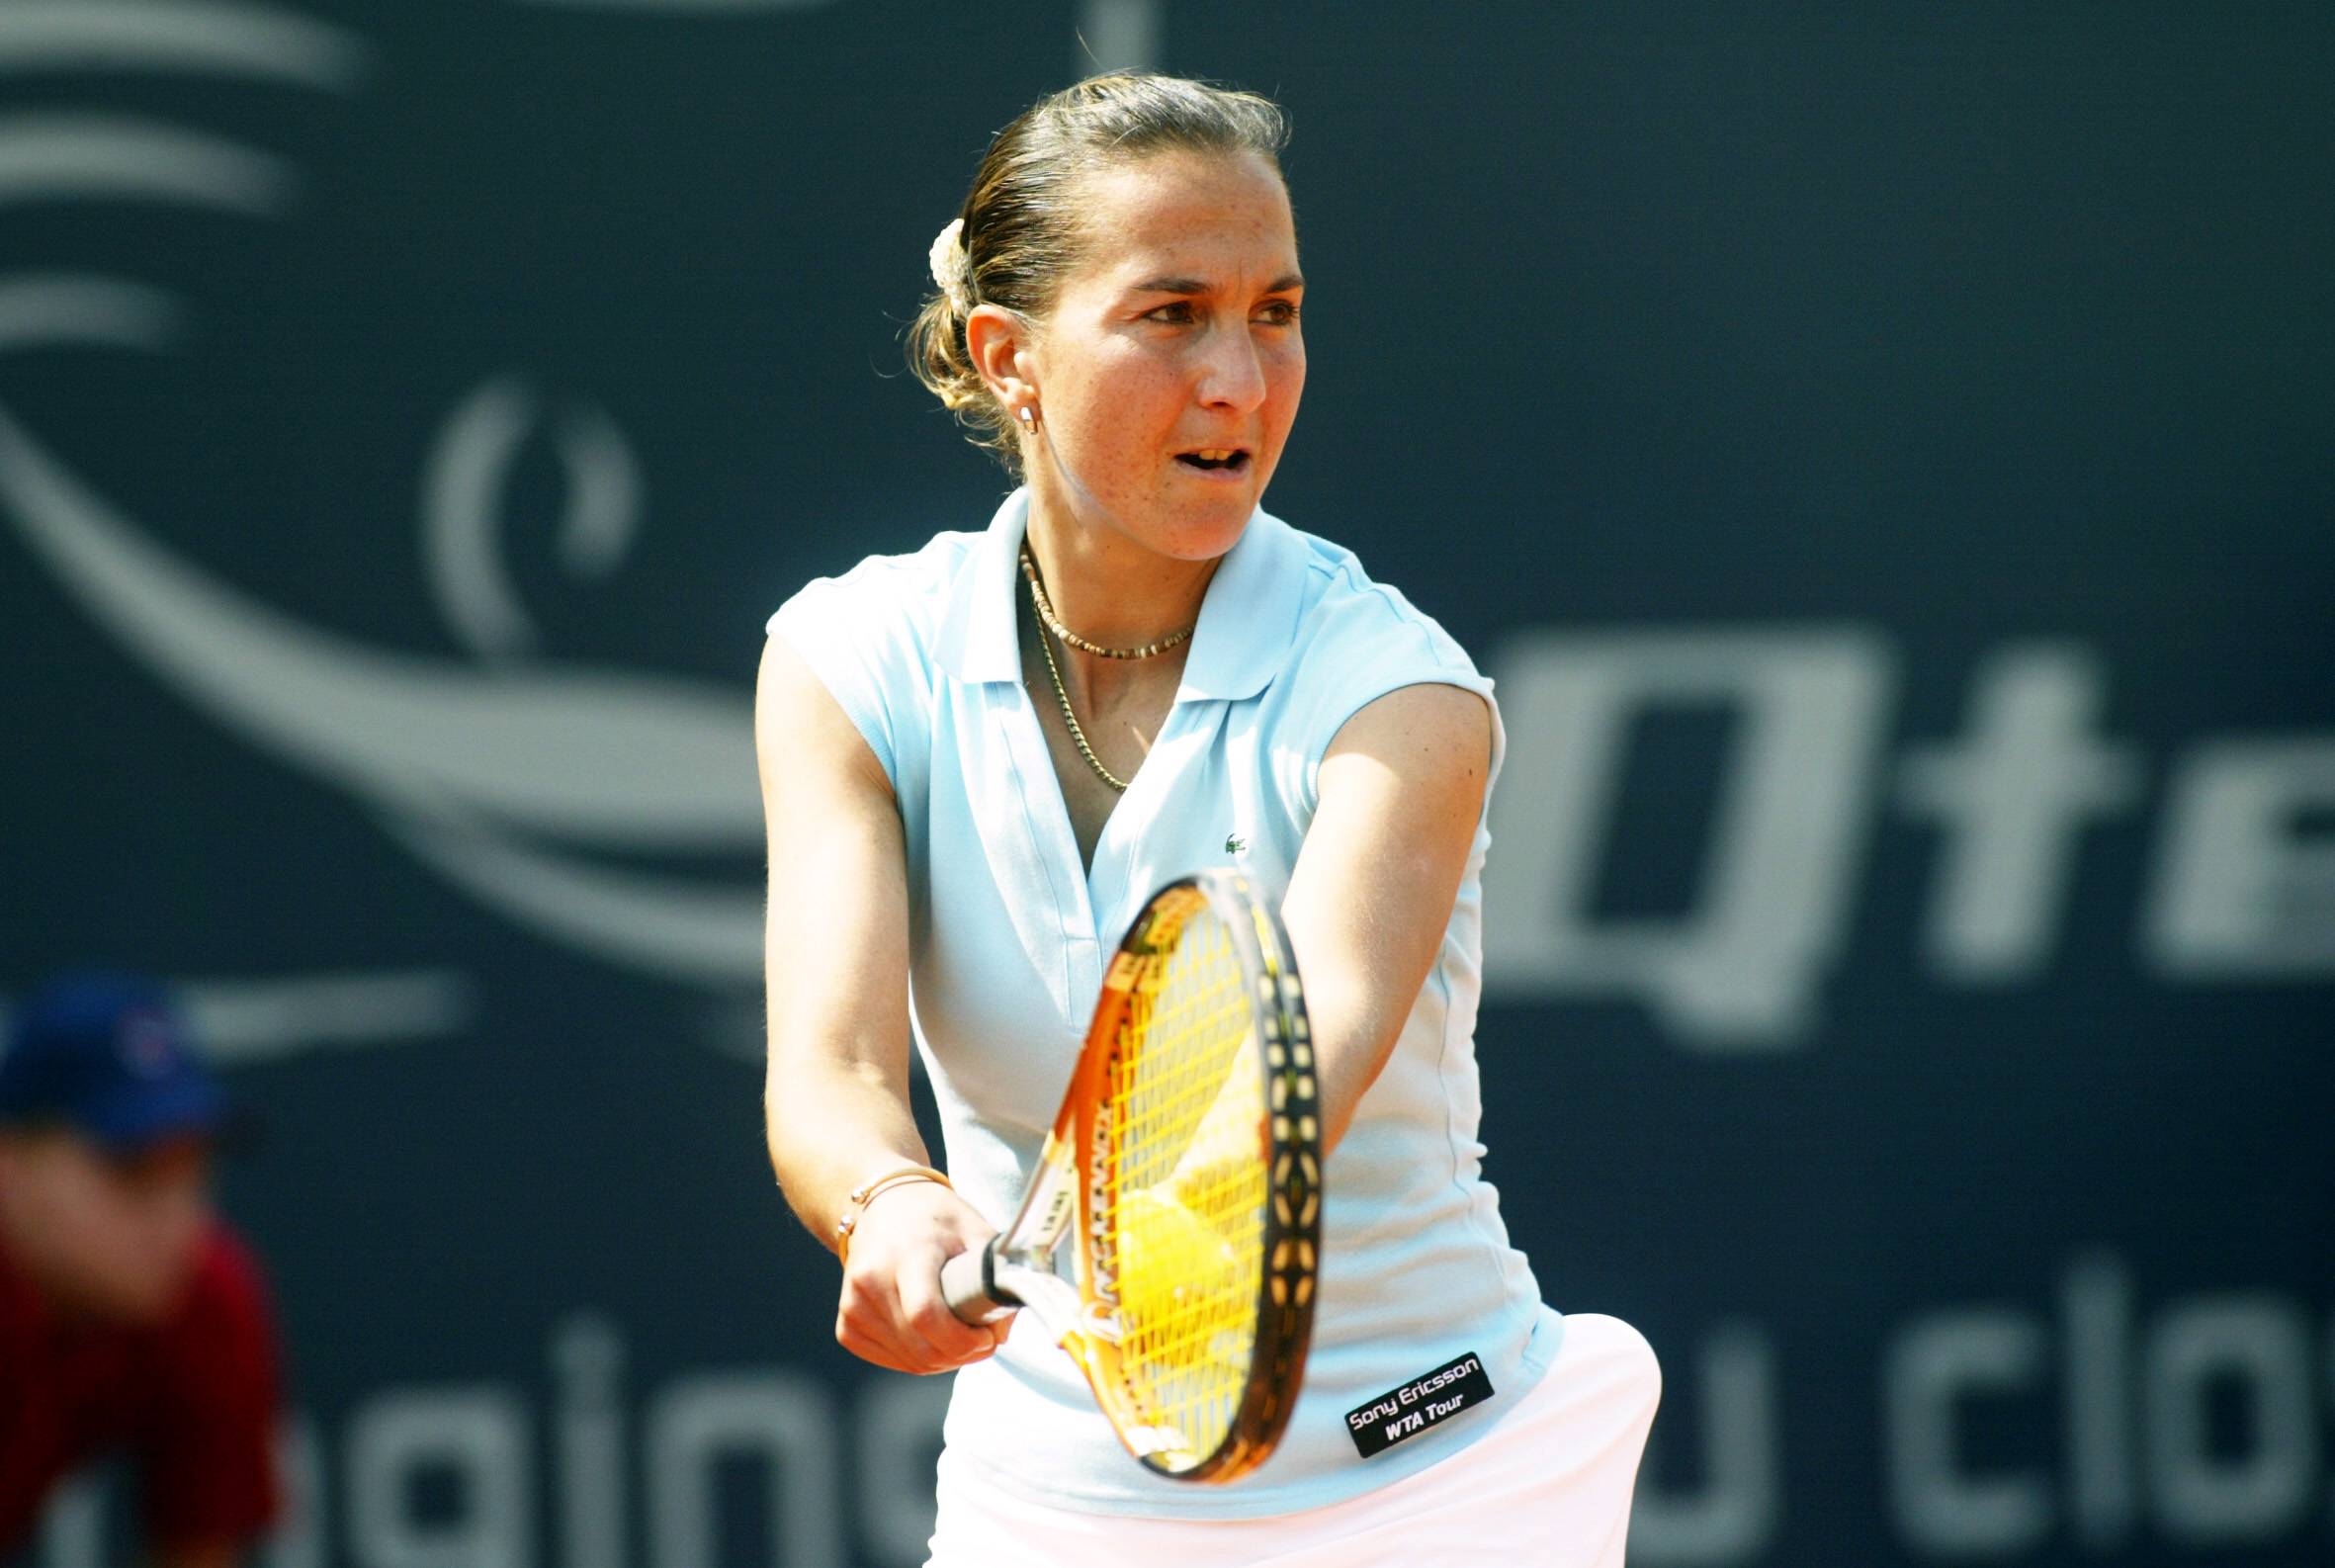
x,y
1167,375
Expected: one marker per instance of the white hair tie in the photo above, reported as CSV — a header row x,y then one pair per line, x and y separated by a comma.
x,y
950,265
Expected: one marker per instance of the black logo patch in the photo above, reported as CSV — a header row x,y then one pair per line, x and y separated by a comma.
x,y
1410,1409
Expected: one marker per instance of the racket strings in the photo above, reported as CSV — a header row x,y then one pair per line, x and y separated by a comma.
x,y
1182,1098
1186,1188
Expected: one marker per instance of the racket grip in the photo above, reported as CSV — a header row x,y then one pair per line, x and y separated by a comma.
x,y
969,1284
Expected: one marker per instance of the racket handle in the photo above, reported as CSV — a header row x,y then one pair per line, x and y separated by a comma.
x,y
969,1284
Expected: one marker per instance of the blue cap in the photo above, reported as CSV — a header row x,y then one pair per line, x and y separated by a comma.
x,y
110,1055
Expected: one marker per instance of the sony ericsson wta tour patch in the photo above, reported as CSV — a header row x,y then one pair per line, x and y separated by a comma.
x,y
1410,1409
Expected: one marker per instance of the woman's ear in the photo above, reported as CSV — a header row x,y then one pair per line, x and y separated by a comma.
x,y
998,341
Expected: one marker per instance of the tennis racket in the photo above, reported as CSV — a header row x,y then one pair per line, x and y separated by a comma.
x,y
1187,1153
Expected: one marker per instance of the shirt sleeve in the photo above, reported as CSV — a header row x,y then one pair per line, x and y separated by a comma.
x,y
1358,650
209,1456
849,630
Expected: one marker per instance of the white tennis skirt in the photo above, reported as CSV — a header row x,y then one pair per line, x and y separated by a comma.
x,y
1549,1484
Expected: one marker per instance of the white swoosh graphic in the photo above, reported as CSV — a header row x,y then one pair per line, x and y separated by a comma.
x,y
46,158
667,926
82,311
185,36
244,1020
459,762
603,758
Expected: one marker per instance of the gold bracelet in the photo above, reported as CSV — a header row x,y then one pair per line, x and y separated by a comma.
x,y
856,1204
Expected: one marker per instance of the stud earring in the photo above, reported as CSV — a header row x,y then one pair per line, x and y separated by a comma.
x,y
1029,419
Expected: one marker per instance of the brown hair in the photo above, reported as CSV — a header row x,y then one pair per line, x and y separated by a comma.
x,y
1022,235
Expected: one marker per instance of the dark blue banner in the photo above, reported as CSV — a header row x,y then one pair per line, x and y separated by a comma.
x,y
1883,456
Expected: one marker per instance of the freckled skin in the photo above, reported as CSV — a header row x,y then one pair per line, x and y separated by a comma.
x,y
1130,380
1125,379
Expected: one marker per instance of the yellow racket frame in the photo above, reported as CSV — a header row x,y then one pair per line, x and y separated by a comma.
x,y
1188,1151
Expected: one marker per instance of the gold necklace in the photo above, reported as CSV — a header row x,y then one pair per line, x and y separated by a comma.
x,y
1029,570
1063,696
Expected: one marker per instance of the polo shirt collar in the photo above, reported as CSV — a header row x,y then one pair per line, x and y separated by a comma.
x,y
977,641
1248,620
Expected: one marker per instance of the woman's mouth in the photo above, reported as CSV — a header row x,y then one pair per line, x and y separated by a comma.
x,y
1215,462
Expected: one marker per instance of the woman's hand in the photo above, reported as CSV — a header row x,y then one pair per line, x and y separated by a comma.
x,y
891,1311
836,1091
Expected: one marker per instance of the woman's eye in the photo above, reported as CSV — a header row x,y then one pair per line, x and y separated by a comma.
x,y
1282,312
1178,311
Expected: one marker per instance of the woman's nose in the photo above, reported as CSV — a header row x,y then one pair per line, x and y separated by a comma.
x,y
1234,375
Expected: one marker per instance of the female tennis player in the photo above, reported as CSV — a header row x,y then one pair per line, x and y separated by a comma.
x,y
978,759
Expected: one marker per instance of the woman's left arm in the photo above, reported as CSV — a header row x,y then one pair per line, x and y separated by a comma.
x,y
1400,789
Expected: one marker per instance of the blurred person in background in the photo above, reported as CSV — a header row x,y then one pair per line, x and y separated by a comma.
x,y
133,1323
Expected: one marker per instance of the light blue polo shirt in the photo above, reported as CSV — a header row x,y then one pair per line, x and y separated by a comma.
x,y
1008,936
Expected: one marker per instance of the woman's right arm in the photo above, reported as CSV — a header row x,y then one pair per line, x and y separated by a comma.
x,y
835,1097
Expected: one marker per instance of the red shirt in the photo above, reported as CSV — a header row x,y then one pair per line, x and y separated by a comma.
x,y
192,1402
